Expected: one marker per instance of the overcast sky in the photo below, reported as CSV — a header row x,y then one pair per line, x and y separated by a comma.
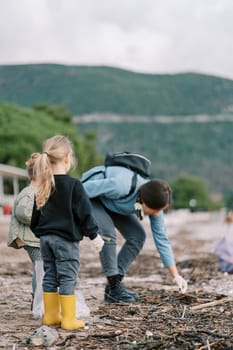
x,y
152,36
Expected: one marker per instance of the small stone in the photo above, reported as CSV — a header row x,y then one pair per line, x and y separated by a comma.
x,y
43,336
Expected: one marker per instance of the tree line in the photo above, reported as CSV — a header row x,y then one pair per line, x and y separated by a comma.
x,y
22,131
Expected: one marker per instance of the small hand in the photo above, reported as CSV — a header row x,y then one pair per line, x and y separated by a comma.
x,y
98,243
182,284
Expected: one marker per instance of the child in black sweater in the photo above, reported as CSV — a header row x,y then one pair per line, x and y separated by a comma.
x,y
61,217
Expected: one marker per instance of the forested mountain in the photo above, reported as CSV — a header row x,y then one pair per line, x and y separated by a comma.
x,y
201,147
103,89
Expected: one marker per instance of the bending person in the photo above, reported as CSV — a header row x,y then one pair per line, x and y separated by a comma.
x,y
114,206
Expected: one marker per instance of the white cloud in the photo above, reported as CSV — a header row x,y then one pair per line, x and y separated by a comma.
x,y
158,36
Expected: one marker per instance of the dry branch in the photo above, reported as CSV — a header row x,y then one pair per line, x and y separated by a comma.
x,y
212,303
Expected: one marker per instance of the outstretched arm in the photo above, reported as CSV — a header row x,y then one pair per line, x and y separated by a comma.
x,y
163,246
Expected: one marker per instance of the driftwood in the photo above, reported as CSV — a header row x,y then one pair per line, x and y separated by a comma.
x,y
161,319
211,303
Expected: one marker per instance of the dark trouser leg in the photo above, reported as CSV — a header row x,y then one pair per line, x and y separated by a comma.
x,y
108,255
134,234
115,267
61,264
130,228
114,290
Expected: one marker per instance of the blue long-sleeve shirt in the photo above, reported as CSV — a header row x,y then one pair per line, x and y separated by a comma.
x,y
112,186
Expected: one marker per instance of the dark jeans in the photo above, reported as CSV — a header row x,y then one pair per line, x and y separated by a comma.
x,y
61,264
132,231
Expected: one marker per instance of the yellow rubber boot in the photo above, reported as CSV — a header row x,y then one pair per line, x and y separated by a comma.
x,y
52,310
68,311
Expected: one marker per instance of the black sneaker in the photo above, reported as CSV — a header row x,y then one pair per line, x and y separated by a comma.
x,y
118,294
130,292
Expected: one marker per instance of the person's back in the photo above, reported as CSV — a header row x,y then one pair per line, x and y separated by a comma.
x,y
66,211
113,185
61,217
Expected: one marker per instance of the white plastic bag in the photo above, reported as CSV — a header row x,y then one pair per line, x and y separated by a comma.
x,y
224,251
82,310
38,304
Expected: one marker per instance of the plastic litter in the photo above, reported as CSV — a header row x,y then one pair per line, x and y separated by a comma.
x,y
82,310
38,304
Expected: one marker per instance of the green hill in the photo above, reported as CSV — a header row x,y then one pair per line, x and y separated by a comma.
x,y
85,89
23,130
201,148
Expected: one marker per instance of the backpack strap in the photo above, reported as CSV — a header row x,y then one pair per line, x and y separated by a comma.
x,y
133,184
132,187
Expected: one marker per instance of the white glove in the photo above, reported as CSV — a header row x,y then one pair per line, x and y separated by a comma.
x,y
98,243
182,284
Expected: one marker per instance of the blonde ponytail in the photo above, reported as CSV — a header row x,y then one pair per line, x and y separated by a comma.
x,y
55,149
45,180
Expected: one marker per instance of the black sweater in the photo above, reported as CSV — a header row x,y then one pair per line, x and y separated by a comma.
x,y
67,212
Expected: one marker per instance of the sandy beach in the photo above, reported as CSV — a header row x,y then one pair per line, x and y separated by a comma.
x,y
193,237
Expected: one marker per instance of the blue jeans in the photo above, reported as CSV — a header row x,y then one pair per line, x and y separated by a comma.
x,y
132,231
34,254
61,264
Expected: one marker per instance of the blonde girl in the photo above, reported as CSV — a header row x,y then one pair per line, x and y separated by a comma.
x,y
61,217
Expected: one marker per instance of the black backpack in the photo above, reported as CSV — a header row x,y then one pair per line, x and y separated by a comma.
x,y
133,161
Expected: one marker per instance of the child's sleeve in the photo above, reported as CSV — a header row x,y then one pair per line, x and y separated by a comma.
x,y
83,213
23,210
